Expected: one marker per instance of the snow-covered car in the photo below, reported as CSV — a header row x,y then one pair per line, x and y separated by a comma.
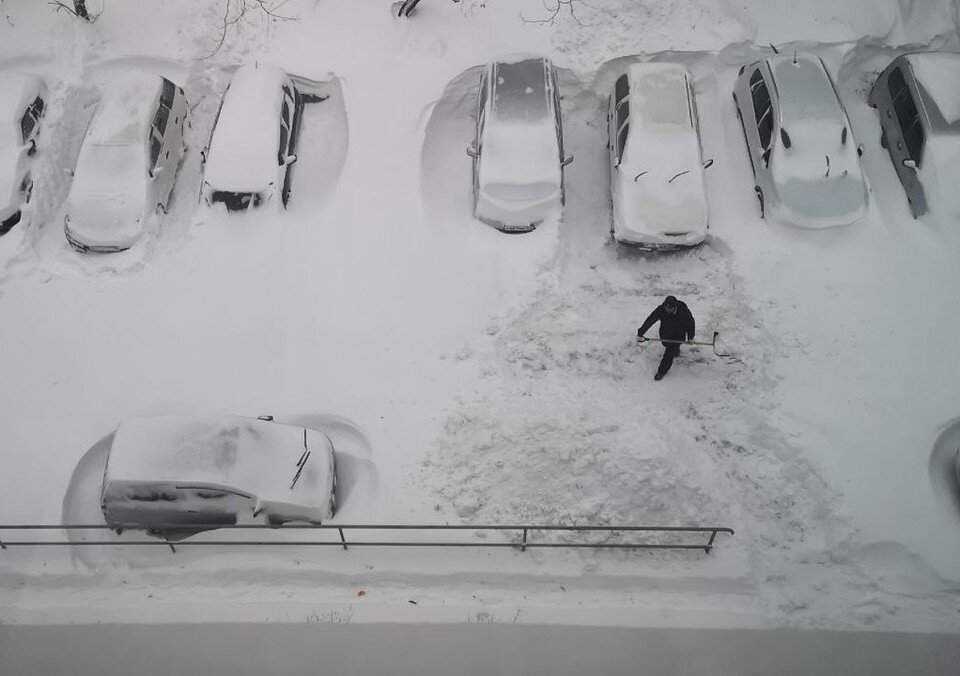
x,y
249,161
517,152
22,102
128,161
918,100
182,471
656,166
806,163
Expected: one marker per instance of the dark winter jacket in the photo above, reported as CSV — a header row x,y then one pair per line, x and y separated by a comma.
x,y
679,326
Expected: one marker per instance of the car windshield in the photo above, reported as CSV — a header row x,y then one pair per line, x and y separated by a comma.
x,y
520,91
108,169
806,94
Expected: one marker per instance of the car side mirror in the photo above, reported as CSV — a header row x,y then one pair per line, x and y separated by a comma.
x,y
860,150
31,146
708,163
289,159
910,164
785,138
473,152
567,159
766,157
156,170
68,172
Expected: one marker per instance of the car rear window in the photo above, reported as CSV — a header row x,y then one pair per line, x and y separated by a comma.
x,y
520,91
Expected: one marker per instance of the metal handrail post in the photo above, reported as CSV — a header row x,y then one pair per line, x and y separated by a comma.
x,y
709,546
523,545
342,539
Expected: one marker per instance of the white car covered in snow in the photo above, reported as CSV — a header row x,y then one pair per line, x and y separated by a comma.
x,y
656,167
128,161
806,163
250,159
22,102
517,153
179,471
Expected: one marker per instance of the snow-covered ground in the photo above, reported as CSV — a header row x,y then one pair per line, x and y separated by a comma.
x,y
494,378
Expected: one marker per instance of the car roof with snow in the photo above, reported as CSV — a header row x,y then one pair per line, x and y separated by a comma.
x,y
661,169
937,74
243,151
520,144
256,457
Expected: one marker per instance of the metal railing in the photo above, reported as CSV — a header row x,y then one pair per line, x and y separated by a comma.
x,y
522,536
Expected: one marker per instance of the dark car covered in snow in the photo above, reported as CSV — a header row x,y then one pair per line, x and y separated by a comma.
x,y
22,102
250,159
918,99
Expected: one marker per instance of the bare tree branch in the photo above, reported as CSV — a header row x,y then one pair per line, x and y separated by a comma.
x,y
237,11
553,8
78,10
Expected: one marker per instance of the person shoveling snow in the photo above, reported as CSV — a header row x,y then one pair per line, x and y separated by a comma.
x,y
676,327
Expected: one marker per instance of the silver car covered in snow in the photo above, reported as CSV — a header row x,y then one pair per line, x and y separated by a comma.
x,y
806,163
128,161
656,168
517,152
22,102
918,99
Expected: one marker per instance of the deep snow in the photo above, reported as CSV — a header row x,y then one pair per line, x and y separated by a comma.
x,y
495,377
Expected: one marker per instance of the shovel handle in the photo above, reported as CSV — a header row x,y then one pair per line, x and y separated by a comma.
x,y
712,343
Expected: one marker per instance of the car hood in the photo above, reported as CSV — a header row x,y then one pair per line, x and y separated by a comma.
x,y
107,202
818,180
661,186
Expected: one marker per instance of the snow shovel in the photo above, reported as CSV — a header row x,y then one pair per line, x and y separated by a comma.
x,y
712,343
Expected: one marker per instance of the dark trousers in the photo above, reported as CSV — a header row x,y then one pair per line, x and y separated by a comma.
x,y
670,351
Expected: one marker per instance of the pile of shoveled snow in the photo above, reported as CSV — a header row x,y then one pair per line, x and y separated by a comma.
x,y
593,31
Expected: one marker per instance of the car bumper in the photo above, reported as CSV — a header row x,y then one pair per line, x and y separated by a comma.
x,y
78,243
516,216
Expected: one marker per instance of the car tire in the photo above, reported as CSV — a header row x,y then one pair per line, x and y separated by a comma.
x,y
883,138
